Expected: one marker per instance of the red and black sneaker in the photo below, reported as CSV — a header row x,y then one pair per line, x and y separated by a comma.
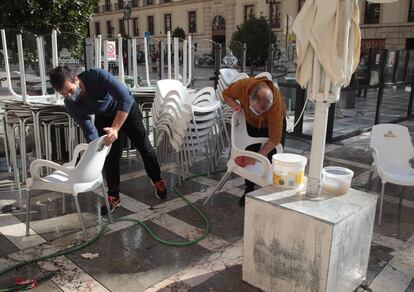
x,y
114,202
160,190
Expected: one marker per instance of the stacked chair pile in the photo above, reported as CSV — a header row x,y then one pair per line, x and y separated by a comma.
x,y
187,123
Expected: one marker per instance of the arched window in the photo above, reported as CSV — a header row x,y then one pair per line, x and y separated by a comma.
x,y
219,24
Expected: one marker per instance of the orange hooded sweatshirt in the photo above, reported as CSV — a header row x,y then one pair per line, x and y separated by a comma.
x,y
272,118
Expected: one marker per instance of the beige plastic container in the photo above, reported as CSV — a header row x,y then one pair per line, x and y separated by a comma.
x,y
336,180
288,170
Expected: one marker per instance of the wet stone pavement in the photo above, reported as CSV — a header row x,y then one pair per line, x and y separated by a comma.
x,y
131,260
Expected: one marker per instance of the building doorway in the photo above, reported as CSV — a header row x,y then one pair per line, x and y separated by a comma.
x,y
409,44
218,29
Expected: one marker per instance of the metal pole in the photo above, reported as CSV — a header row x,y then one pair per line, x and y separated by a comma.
x,y
105,55
176,56
162,60
410,102
287,31
21,68
396,61
134,63
217,60
244,58
381,87
300,102
169,53
146,61
269,60
185,62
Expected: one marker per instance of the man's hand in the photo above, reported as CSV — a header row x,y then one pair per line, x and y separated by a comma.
x,y
111,135
236,107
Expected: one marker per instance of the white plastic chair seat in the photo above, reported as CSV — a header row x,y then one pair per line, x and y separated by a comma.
x,y
59,181
400,176
72,177
257,168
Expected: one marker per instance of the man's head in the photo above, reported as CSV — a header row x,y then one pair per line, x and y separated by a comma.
x,y
260,99
65,81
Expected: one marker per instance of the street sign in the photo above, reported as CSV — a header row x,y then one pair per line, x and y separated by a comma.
x,y
147,34
111,51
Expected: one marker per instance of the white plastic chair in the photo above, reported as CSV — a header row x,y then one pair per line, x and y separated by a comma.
x,y
261,172
70,177
391,149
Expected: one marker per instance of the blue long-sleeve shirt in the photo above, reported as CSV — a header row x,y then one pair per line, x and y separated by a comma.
x,y
105,95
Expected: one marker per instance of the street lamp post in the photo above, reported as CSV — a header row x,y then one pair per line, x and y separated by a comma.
x,y
127,15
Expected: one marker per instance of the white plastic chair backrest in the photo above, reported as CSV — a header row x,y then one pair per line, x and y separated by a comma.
x,y
264,74
392,145
228,74
239,77
167,85
240,139
89,168
204,96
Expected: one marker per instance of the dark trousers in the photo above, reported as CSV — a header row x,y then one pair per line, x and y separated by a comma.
x,y
135,131
262,132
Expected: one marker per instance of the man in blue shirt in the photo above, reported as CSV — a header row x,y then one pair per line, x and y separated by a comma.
x,y
97,92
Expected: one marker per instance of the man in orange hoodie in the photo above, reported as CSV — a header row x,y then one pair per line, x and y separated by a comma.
x,y
265,113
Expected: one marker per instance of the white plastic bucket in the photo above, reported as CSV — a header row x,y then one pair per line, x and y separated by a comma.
x,y
288,170
336,180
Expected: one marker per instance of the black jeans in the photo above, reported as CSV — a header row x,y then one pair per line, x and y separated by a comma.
x,y
135,131
262,132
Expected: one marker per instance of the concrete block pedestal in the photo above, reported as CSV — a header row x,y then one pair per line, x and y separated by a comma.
x,y
294,243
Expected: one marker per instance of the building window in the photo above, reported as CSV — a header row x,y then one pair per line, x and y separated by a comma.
x,y
164,1
148,2
134,3
275,15
248,11
151,24
135,25
372,13
97,28
192,22
109,29
120,4
121,26
167,23
411,11
107,5
96,8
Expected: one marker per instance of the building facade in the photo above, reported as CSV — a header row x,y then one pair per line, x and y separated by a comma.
x,y
382,25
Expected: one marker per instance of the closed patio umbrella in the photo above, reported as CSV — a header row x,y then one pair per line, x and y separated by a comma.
x,y
328,42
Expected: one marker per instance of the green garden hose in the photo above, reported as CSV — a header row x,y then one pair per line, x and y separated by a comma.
x,y
101,232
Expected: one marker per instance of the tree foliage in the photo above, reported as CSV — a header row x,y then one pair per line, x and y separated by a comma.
x,y
254,32
41,16
178,33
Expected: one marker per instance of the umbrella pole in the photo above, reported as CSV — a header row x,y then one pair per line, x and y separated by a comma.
x,y
317,149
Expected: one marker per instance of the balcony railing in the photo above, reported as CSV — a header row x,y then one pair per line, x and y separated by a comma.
x,y
119,5
105,8
133,3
